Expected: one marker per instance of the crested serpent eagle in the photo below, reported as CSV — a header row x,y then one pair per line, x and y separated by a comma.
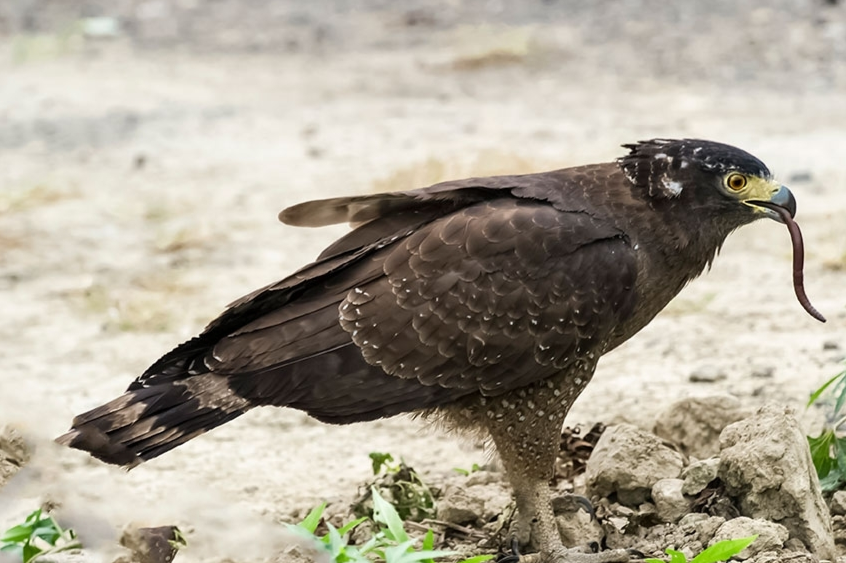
x,y
487,302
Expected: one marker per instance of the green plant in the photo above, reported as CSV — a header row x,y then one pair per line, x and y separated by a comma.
x,y
384,461
38,535
389,544
402,486
720,551
828,450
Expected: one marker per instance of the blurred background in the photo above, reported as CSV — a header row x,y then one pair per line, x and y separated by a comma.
x,y
147,146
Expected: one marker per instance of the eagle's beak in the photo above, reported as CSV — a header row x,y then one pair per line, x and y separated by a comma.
x,y
782,197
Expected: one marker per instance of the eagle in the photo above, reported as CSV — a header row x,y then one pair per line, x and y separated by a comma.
x,y
485,303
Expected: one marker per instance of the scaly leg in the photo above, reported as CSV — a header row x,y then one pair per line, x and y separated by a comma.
x,y
527,436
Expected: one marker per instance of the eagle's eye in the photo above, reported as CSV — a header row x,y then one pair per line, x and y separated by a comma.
x,y
736,182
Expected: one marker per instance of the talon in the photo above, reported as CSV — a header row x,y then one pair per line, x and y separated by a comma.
x,y
514,556
585,503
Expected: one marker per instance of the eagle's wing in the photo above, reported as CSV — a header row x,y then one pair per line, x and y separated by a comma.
x,y
489,297
493,297
438,294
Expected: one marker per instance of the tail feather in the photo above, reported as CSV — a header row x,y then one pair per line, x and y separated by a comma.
x,y
144,423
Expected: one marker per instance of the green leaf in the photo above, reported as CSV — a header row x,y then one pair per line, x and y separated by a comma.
x,y
349,526
30,552
653,560
311,521
47,533
832,481
428,545
380,459
676,556
401,554
13,547
724,550
821,448
461,471
34,516
428,541
481,559
385,513
335,542
18,533
840,389
816,394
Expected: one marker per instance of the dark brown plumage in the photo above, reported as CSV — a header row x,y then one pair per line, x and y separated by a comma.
x,y
488,301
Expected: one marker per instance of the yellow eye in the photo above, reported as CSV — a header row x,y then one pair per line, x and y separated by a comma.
x,y
736,182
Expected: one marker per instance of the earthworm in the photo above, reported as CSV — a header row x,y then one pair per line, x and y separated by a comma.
x,y
798,261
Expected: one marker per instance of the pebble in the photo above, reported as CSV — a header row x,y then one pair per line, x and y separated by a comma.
x,y
698,474
669,500
707,374
838,503
770,535
763,372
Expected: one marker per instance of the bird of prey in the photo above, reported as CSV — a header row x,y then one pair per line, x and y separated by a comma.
x,y
485,302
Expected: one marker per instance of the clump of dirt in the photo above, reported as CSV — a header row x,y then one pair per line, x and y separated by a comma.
x,y
13,453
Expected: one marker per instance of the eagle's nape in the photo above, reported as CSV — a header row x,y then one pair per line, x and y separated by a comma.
x,y
487,301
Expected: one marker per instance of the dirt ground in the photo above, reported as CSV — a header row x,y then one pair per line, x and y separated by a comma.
x,y
144,156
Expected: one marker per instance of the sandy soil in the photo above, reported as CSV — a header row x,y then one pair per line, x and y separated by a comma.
x,y
140,178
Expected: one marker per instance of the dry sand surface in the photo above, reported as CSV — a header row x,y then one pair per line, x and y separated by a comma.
x,y
141,175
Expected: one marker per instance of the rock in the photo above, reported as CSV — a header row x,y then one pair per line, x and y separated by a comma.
x,y
482,477
299,552
701,529
770,535
13,453
647,514
694,424
692,518
838,503
838,529
698,474
151,545
766,465
576,525
473,504
707,374
628,461
669,500
458,507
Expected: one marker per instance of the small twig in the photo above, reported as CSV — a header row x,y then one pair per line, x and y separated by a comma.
x,y
469,532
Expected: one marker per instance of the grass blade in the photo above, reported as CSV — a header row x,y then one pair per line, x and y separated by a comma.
x,y
385,513
311,521
816,394
349,526
724,550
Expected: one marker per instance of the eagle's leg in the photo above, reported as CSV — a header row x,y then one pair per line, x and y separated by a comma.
x,y
526,429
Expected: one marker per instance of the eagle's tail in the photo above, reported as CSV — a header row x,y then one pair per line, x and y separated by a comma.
x,y
146,422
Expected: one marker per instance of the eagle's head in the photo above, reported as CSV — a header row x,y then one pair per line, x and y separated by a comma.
x,y
707,177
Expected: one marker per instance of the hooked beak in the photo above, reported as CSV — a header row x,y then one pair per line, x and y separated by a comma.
x,y
781,198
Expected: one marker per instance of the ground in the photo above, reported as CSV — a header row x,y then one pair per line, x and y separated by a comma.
x,y
141,175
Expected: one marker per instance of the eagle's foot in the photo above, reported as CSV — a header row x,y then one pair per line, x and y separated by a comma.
x,y
569,555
